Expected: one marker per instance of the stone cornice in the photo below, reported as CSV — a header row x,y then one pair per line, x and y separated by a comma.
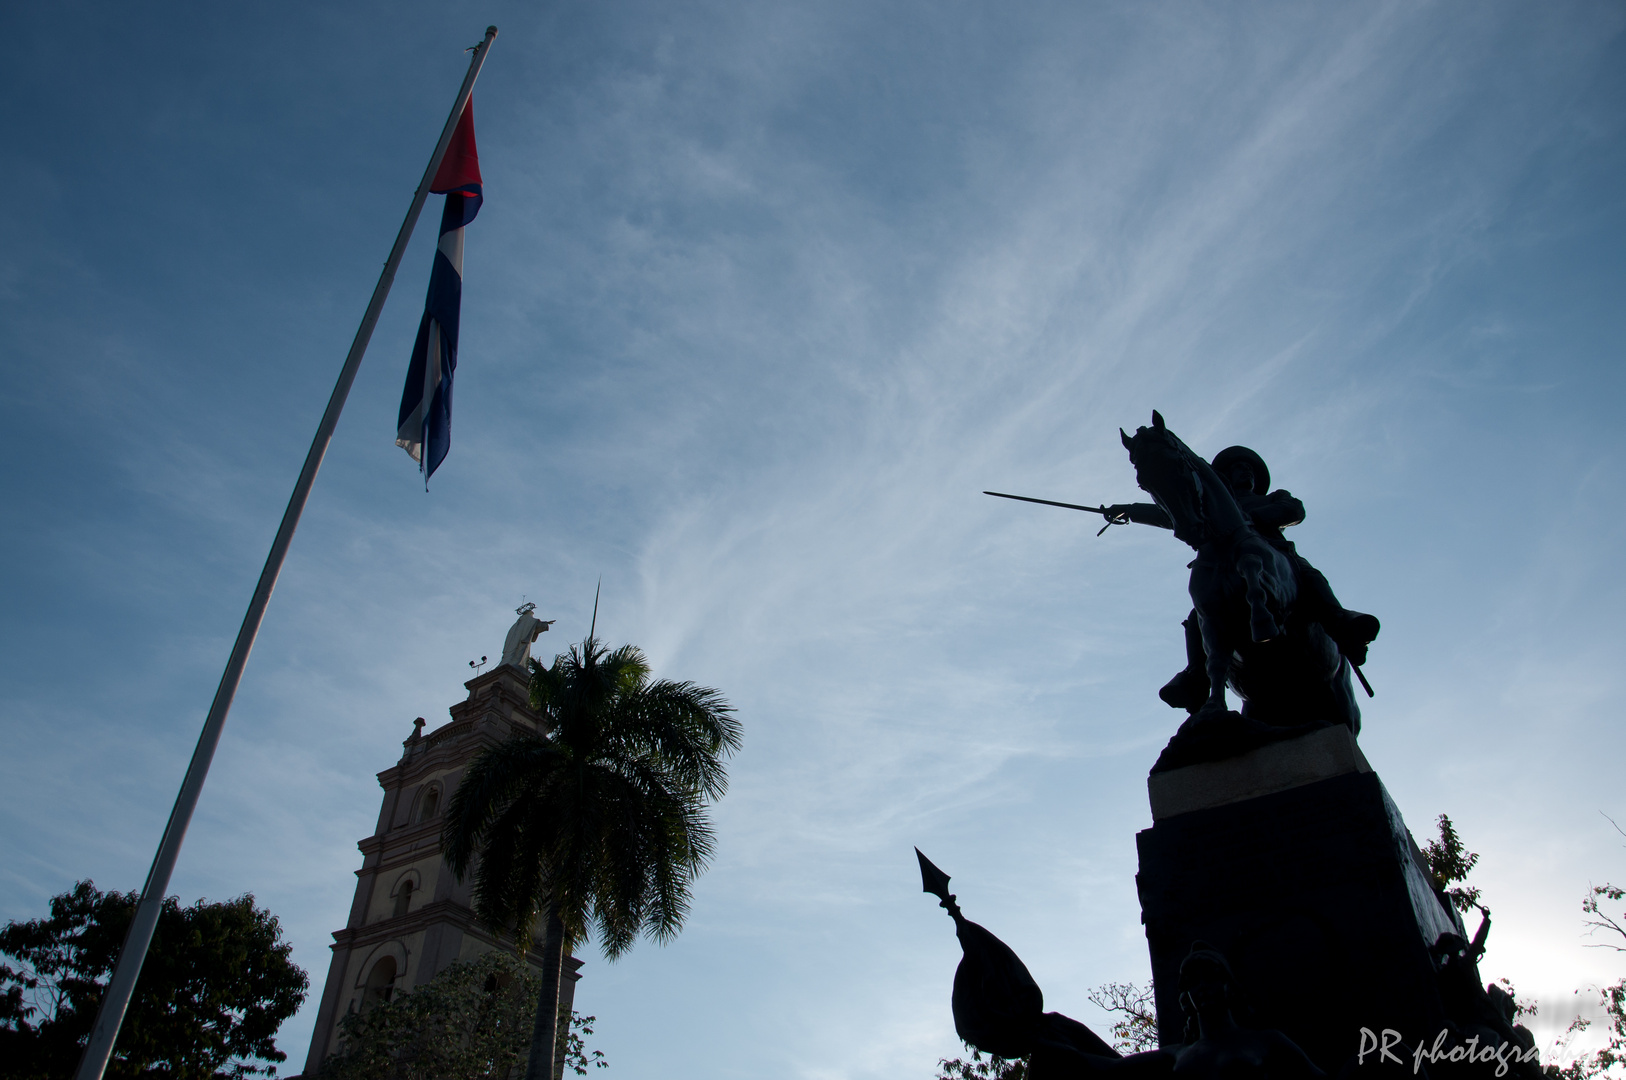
x,y
407,834
498,707
503,691
400,846
440,913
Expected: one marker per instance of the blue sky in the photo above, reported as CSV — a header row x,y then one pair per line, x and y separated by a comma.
x,y
760,298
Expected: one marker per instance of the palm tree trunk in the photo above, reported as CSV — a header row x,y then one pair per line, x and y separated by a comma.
x,y
545,1032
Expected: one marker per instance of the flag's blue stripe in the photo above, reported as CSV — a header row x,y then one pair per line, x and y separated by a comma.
x,y
461,206
442,310
413,394
437,437
445,297
444,305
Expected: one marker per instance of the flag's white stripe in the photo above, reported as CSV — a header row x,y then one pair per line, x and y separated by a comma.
x,y
411,435
451,246
413,449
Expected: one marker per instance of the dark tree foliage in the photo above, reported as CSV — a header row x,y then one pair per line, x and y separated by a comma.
x,y
572,1032
1449,861
981,1067
1135,1027
1611,1059
472,1021
216,985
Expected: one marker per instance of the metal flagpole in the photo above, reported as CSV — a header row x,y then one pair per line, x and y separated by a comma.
x,y
110,1015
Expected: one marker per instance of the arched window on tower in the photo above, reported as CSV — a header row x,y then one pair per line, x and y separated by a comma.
x,y
430,805
380,983
403,898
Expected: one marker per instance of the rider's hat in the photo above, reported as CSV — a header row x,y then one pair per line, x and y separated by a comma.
x,y
1203,956
1232,454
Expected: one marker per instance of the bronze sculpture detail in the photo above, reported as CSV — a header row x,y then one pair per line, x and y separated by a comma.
x,y
1264,622
999,1009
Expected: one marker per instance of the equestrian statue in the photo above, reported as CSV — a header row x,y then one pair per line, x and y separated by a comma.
x,y
1264,621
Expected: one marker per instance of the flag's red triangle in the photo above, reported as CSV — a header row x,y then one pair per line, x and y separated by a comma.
x,y
460,168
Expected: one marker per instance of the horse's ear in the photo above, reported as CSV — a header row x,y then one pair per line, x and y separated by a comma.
x,y
1157,420
1129,445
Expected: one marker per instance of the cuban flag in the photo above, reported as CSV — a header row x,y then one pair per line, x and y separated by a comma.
x,y
425,424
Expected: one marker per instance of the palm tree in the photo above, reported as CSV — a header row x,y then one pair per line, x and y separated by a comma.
x,y
600,821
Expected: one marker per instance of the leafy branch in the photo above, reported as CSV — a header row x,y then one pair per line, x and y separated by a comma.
x,y
1449,862
1135,1028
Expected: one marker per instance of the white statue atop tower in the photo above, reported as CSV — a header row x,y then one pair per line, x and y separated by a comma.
x,y
516,651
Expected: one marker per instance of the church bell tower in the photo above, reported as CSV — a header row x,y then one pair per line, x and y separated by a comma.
x,y
410,917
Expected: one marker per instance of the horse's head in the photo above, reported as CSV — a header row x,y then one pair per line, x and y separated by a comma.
x,y
1167,470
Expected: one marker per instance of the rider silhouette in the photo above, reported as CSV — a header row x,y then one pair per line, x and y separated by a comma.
x,y
1248,477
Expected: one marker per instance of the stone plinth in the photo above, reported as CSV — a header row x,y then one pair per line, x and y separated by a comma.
x,y
1320,755
1293,861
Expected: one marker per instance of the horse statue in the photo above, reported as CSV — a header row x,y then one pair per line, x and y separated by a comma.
x,y
1290,675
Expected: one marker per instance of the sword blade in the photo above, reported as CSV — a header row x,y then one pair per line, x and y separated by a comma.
x,y
1050,502
1361,675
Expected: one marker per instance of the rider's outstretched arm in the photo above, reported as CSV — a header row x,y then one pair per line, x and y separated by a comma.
x,y
1141,514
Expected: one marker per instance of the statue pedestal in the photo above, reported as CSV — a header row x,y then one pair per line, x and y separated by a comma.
x,y
1293,861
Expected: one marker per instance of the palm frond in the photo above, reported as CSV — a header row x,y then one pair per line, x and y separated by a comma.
x,y
690,727
604,818
491,781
